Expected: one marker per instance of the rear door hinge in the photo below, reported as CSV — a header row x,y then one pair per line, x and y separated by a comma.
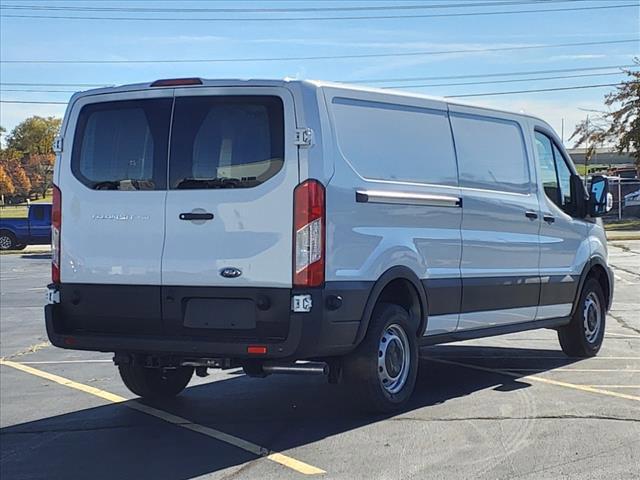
x,y
304,137
57,144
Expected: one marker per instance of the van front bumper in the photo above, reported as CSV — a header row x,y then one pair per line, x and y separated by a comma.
x,y
323,331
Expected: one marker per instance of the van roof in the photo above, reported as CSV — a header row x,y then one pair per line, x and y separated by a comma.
x,y
314,84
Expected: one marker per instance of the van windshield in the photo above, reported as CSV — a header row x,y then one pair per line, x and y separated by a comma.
x,y
225,142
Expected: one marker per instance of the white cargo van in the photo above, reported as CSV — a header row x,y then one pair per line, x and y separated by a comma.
x,y
308,227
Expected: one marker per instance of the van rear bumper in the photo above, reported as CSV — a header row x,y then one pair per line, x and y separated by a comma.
x,y
324,331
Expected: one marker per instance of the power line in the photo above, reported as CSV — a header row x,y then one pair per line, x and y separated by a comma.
x,y
448,84
476,4
481,75
378,80
515,80
29,84
40,103
557,89
352,17
486,94
325,57
30,90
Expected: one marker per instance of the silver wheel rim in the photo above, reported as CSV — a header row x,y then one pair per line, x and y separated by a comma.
x,y
592,317
394,359
5,242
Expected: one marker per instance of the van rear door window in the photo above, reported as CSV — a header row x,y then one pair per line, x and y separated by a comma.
x,y
122,145
226,141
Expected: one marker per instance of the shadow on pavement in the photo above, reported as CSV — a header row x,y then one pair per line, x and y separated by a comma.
x,y
279,413
36,256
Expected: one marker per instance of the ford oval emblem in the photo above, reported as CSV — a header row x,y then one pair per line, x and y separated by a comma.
x,y
230,272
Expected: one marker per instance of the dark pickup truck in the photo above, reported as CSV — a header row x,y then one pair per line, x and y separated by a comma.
x,y
17,233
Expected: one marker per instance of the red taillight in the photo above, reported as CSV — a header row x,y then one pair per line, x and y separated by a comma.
x,y
176,82
56,225
257,349
309,234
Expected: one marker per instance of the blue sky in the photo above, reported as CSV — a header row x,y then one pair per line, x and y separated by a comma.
x,y
66,39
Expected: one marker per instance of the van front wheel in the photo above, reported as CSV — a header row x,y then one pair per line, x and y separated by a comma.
x,y
155,383
583,336
384,367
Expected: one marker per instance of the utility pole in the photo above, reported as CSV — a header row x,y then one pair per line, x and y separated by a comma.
x,y
586,153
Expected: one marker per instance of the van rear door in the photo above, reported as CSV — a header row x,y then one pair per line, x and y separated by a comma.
x,y
232,170
112,179
113,184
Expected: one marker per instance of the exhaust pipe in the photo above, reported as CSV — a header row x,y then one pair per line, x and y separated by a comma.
x,y
307,368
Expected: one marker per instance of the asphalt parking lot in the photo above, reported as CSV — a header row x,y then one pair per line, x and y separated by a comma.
x,y
506,407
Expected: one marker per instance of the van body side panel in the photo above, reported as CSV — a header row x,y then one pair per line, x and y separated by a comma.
x,y
500,252
112,236
393,200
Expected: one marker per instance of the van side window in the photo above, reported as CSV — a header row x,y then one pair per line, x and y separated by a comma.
x,y
385,141
491,153
555,172
122,145
226,142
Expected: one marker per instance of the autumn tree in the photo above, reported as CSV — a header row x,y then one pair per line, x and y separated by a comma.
x,y
28,157
11,163
39,169
619,125
6,185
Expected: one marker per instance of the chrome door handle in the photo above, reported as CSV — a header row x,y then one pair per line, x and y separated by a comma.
x,y
531,214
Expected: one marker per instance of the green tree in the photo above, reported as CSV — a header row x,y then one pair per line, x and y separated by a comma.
x,y
34,135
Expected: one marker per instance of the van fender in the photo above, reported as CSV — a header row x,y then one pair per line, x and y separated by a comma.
x,y
592,262
394,273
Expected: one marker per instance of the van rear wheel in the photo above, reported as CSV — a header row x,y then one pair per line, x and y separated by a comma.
x,y
155,383
384,367
583,336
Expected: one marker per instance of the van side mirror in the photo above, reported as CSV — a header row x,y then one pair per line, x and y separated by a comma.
x,y
578,197
600,199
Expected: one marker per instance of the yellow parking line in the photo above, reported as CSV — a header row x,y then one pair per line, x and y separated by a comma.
x,y
592,370
250,447
536,357
621,335
613,386
584,388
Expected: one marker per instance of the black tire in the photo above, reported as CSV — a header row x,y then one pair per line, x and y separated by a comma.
x,y
155,383
583,336
7,241
375,384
